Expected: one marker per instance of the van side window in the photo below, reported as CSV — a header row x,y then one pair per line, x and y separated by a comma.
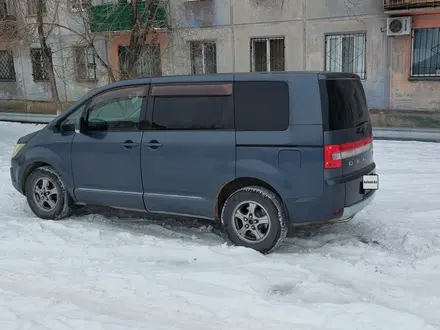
x,y
120,108
261,105
192,112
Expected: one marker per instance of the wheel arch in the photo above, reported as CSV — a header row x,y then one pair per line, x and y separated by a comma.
x,y
229,188
28,170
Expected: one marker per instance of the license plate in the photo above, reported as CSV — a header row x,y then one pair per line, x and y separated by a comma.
x,y
370,182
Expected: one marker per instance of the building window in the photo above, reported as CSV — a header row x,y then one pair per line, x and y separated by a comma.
x,y
426,53
203,57
199,13
346,53
85,63
33,7
148,64
7,69
267,54
39,70
79,5
3,10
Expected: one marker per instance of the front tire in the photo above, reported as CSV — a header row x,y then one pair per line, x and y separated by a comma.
x,y
254,217
46,194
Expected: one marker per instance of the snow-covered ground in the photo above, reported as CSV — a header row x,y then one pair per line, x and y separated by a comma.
x,y
381,271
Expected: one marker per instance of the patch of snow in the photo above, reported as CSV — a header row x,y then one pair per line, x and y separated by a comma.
x,y
379,271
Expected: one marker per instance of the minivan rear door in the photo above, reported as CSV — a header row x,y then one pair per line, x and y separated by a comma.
x,y
348,136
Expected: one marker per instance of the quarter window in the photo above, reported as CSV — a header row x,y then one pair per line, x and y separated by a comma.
x,y
120,108
72,121
261,106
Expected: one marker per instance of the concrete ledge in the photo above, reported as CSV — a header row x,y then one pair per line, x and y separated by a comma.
x,y
405,118
407,134
380,133
26,117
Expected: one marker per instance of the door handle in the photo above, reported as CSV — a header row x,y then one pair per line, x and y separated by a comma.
x,y
129,144
153,144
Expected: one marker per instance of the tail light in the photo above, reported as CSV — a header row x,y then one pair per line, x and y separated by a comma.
x,y
335,153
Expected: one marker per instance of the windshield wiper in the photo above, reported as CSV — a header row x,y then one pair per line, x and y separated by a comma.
x,y
362,124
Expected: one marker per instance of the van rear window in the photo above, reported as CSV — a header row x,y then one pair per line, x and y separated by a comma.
x,y
346,104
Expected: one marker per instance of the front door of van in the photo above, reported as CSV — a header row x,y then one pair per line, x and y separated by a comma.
x,y
190,152
106,162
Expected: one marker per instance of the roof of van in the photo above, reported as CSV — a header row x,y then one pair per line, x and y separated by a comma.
x,y
219,77
230,76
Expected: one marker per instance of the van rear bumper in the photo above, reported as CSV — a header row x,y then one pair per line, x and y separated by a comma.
x,y
330,206
350,211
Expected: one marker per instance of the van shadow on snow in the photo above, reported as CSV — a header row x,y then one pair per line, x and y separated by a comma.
x,y
210,232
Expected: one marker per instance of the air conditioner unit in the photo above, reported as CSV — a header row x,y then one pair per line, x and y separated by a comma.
x,y
399,26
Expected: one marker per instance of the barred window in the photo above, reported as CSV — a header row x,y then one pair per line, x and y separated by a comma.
x,y
33,7
148,64
346,53
7,69
39,69
85,63
79,5
203,57
426,53
267,54
3,9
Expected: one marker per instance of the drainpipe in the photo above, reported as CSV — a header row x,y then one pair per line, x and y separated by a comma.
x,y
232,33
389,49
304,8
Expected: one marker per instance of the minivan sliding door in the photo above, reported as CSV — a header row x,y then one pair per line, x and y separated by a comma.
x,y
189,153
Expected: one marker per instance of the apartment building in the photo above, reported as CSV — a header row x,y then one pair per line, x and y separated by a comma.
x,y
213,36
273,35
24,85
400,70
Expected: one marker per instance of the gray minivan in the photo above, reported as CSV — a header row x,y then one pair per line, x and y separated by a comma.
x,y
260,152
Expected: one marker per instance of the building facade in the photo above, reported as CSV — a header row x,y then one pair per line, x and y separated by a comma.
x,y
415,60
214,36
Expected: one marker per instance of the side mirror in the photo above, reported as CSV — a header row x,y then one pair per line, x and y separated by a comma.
x,y
96,125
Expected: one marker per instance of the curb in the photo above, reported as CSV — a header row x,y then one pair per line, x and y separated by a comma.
x,y
26,118
379,133
406,134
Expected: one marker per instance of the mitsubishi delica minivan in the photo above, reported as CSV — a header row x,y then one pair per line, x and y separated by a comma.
x,y
259,152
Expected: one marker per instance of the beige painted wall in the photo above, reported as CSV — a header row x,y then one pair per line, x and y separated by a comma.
x,y
410,94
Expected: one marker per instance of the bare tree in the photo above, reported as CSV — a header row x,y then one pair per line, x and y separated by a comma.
x,y
143,18
351,7
142,23
47,55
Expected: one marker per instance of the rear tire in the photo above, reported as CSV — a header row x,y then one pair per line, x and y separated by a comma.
x,y
254,217
47,195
